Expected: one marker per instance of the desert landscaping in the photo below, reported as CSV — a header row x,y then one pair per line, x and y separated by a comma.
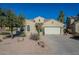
x,y
52,45
26,46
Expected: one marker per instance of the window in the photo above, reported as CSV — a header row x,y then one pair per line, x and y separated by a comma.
x,y
28,27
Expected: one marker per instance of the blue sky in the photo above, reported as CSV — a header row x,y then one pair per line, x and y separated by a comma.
x,y
31,10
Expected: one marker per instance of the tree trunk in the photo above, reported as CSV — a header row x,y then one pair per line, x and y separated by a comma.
x,y
11,32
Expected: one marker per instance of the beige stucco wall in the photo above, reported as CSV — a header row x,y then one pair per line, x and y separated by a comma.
x,y
32,27
39,18
62,30
53,23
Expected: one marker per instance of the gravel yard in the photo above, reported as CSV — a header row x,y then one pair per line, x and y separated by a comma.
x,y
54,45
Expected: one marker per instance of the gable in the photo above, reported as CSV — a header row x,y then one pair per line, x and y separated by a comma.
x,y
39,19
53,23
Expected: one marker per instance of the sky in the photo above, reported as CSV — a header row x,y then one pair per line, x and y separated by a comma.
x,y
46,10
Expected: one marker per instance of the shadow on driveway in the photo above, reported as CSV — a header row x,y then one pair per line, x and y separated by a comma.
x,y
75,37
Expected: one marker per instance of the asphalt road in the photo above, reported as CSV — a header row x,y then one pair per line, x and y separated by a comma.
x,y
63,45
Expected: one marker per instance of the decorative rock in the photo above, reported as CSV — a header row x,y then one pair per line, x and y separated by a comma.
x,y
41,43
0,40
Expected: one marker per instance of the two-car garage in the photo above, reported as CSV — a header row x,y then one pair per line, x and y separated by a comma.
x,y
52,30
53,27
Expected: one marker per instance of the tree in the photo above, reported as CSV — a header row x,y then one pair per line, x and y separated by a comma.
x,y
21,20
77,19
11,17
2,18
61,16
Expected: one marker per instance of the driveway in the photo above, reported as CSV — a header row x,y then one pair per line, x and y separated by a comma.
x,y
61,44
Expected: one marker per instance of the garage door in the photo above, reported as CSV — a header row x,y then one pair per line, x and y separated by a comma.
x,y
52,30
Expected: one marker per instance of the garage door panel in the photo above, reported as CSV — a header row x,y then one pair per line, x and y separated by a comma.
x,y
52,30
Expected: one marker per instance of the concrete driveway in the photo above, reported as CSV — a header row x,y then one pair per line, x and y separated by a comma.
x,y
61,44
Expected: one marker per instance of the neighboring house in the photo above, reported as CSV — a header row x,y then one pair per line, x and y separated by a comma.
x,y
50,26
70,22
75,28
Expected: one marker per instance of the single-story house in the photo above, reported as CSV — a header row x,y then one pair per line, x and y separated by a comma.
x,y
50,26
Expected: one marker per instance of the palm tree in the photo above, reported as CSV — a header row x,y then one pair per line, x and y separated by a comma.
x,y
61,16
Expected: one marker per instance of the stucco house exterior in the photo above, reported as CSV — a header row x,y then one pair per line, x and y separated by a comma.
x,y
39,19
29,26
53,27
70,21
50,26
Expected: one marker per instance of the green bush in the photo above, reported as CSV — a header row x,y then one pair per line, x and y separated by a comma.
x,y
4,33
22,34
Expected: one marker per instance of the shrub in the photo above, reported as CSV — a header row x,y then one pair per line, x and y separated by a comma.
x,y
22,34
4,33
35,37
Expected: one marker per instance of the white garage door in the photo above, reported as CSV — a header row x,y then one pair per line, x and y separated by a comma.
x,y
52,30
